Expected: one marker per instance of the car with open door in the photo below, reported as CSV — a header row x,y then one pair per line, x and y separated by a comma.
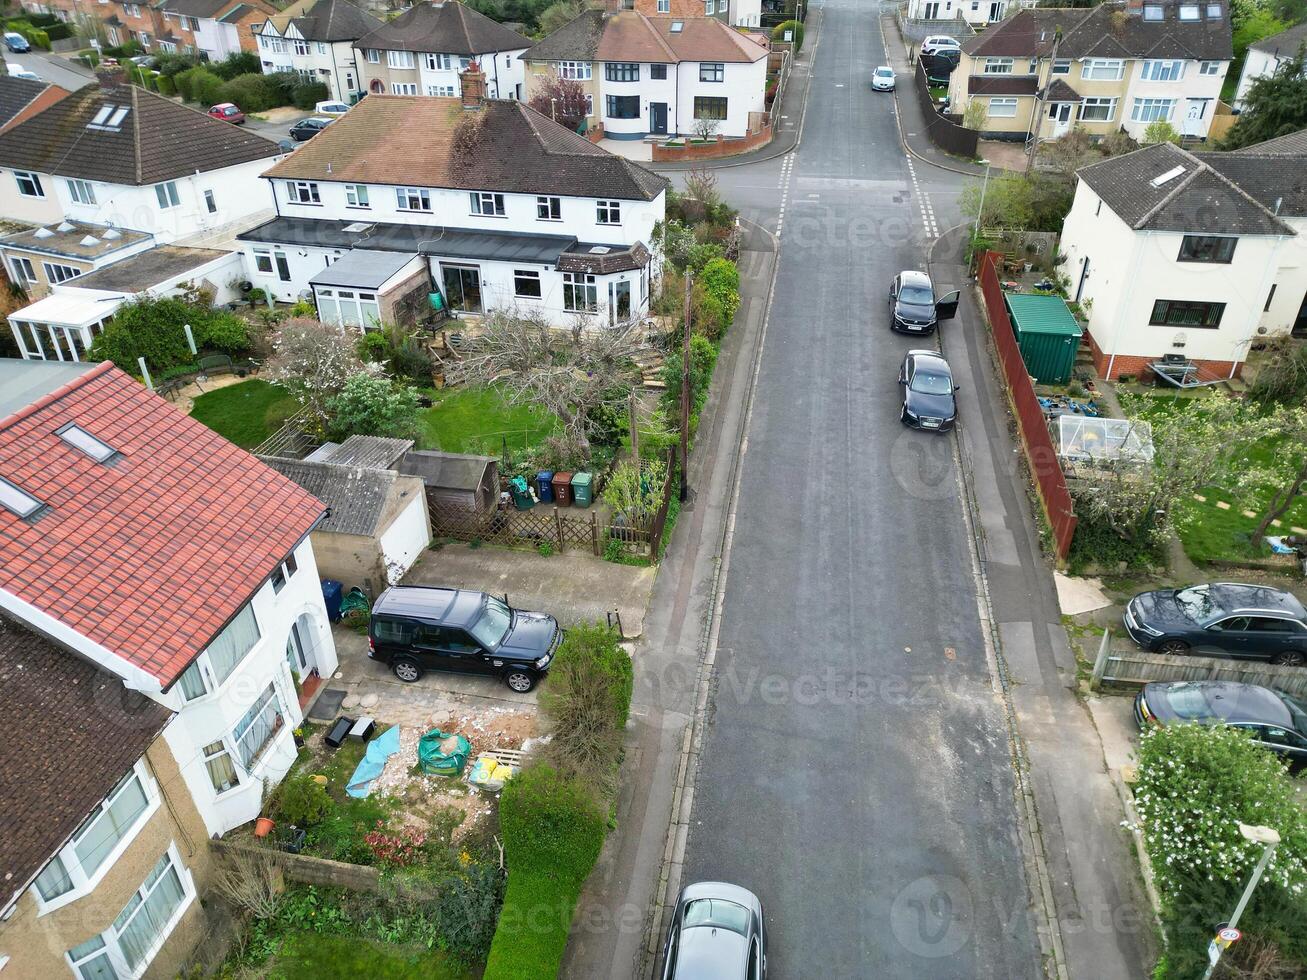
x,y
914,307
928,387
415,629
716,933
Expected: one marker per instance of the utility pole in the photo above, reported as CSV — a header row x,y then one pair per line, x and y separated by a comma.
x,y
685,396
1269,838
635,429
1038,119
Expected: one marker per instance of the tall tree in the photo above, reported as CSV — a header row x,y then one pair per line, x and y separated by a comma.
x,y
1274,106
562,100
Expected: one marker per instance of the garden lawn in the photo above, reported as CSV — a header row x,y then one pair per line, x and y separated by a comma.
x,y
478,420
308,956
245,413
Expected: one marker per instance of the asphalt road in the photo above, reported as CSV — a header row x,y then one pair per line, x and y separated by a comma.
x,y
51,68
856,771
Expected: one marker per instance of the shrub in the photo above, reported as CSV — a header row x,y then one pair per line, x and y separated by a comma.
x,y
238,63
308,94
587,700
1283,376
220,330
373,347
173,64
1196,784
701,254
778,33
703,357
198,84
373,406
58,31
396,850
165,85
302,801
553,831
340,834
252,92
721,280
154,329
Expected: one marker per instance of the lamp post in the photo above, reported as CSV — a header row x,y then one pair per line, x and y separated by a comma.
x,y
1269,839
984,186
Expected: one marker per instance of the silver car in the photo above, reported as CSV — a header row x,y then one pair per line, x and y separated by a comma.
x,y
717,933
882,79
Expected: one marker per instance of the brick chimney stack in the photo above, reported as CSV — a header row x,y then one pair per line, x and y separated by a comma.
x,y
111,77
1135,8
473,82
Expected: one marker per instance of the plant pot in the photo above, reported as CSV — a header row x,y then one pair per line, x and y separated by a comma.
x,y
263,826
299,740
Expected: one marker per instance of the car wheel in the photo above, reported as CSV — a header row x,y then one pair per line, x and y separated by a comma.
x,y
903,417
520,681
1176,648
406,670
1290,658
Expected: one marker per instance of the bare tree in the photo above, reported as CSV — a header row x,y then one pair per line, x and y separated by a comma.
x,y
249,879
705,129
571,374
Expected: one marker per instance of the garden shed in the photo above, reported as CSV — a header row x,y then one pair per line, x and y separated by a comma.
x,y
1047,333
455,479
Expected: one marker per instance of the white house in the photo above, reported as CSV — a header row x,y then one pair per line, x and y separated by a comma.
x,y
659,76
118,155
145,543
425,50
316,39
1266,55
484,202
976,12
1196,256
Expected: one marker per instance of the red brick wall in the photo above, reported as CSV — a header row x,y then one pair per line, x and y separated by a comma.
x,y
709,151
1138,366
679,8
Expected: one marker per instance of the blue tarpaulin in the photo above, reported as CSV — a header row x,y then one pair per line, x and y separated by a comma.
x,y
380,749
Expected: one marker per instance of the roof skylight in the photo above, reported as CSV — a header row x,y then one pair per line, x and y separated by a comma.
x,y
678,26
18,501
1167,177
79,438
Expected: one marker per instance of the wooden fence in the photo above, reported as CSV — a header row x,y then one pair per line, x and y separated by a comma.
x,y
1129,667
949,136
1033,428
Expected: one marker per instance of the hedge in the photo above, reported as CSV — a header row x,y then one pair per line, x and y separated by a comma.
x,y
153,329
309,94
252,92
553,830
199,85
59,31
165,85
778,33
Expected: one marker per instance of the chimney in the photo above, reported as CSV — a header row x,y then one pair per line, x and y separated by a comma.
x,y
474,86
1134,8
111,77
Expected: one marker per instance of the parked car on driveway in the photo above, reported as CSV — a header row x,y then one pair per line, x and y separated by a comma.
x,y
928,387
227,112
16,42
913,307
1276,720
717,933
882,79
940,43
331,108
308,128
414,629
1225,619
18,71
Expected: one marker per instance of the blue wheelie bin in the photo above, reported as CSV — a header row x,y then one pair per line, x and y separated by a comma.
x,y
545,486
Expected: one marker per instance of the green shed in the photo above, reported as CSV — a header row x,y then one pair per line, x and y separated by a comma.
x,y
1047,334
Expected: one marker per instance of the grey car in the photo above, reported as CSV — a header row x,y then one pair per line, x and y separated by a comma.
x,y
717,933
1224,619
1276,720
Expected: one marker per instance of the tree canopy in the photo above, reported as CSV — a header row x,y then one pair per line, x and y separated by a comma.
x,y
1275,105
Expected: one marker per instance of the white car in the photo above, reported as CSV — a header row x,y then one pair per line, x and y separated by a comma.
x,y
331,108
882,79
18,71
941,44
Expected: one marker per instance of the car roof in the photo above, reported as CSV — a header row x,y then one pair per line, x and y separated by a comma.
x,y
1235,597
910,277
452,607
1232,702
710,953
929,358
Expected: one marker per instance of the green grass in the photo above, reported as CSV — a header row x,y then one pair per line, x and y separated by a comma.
x,y
308,956
465,420
245,413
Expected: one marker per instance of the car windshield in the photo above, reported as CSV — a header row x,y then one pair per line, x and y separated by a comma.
x,y
1189,703
492,627
917,295
931,384
1195,601
885,72
717,912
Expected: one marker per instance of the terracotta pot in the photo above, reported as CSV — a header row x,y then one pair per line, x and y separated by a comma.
x,y
263,826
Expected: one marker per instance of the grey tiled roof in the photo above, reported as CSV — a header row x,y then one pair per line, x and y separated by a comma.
x,y
1285,43
1200,199
16,94
577,40
1294,144
447,28
335,20
355,495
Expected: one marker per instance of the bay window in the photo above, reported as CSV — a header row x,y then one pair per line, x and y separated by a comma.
x,y
228,648
623,107
256,729
1097,109
1152,110
580,294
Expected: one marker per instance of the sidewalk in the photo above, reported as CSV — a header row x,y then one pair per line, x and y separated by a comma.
x,y
1102,920
792,105
913,125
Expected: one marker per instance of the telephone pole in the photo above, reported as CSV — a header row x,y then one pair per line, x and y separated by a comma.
x,y
685,396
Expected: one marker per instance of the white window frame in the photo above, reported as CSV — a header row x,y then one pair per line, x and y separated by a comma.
x,y
1209,68
587,284
82,882
267,704
23,269
608,212
373,56
356,196
403,88
488,204
260,254
57,272
530,275
999,66
301,47
33,179
406,196
1003,102
549,208
166,195
283,573
577,71
664,6
1162,70
303,192
1188,12
1062,66
400,59
441,91
223,750
1150,110
1098,102
322,47
1102,69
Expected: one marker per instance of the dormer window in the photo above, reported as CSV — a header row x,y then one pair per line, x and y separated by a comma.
x,y
79,438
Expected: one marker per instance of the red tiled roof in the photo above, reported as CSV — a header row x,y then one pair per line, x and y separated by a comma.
x,y
151,554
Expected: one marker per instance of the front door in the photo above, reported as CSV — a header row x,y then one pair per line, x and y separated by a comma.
x,y
658,118
1060,114
297,652
463,288
995,12
1194,115
932,11
619,301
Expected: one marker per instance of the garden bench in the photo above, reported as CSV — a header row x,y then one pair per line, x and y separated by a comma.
x,y
211,364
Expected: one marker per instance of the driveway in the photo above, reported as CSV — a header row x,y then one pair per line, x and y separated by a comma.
x,y
52,68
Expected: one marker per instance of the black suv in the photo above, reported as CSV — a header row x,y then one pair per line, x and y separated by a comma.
x,y
415,629
1252,622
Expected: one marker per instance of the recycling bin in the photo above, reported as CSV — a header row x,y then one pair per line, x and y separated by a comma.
x,y
520,493
544,486
581,489
332,592
563,489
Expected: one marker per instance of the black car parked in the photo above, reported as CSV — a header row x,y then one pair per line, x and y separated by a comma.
x,y
913,307
1276,720
306,129
1251,622
928,387
414,629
